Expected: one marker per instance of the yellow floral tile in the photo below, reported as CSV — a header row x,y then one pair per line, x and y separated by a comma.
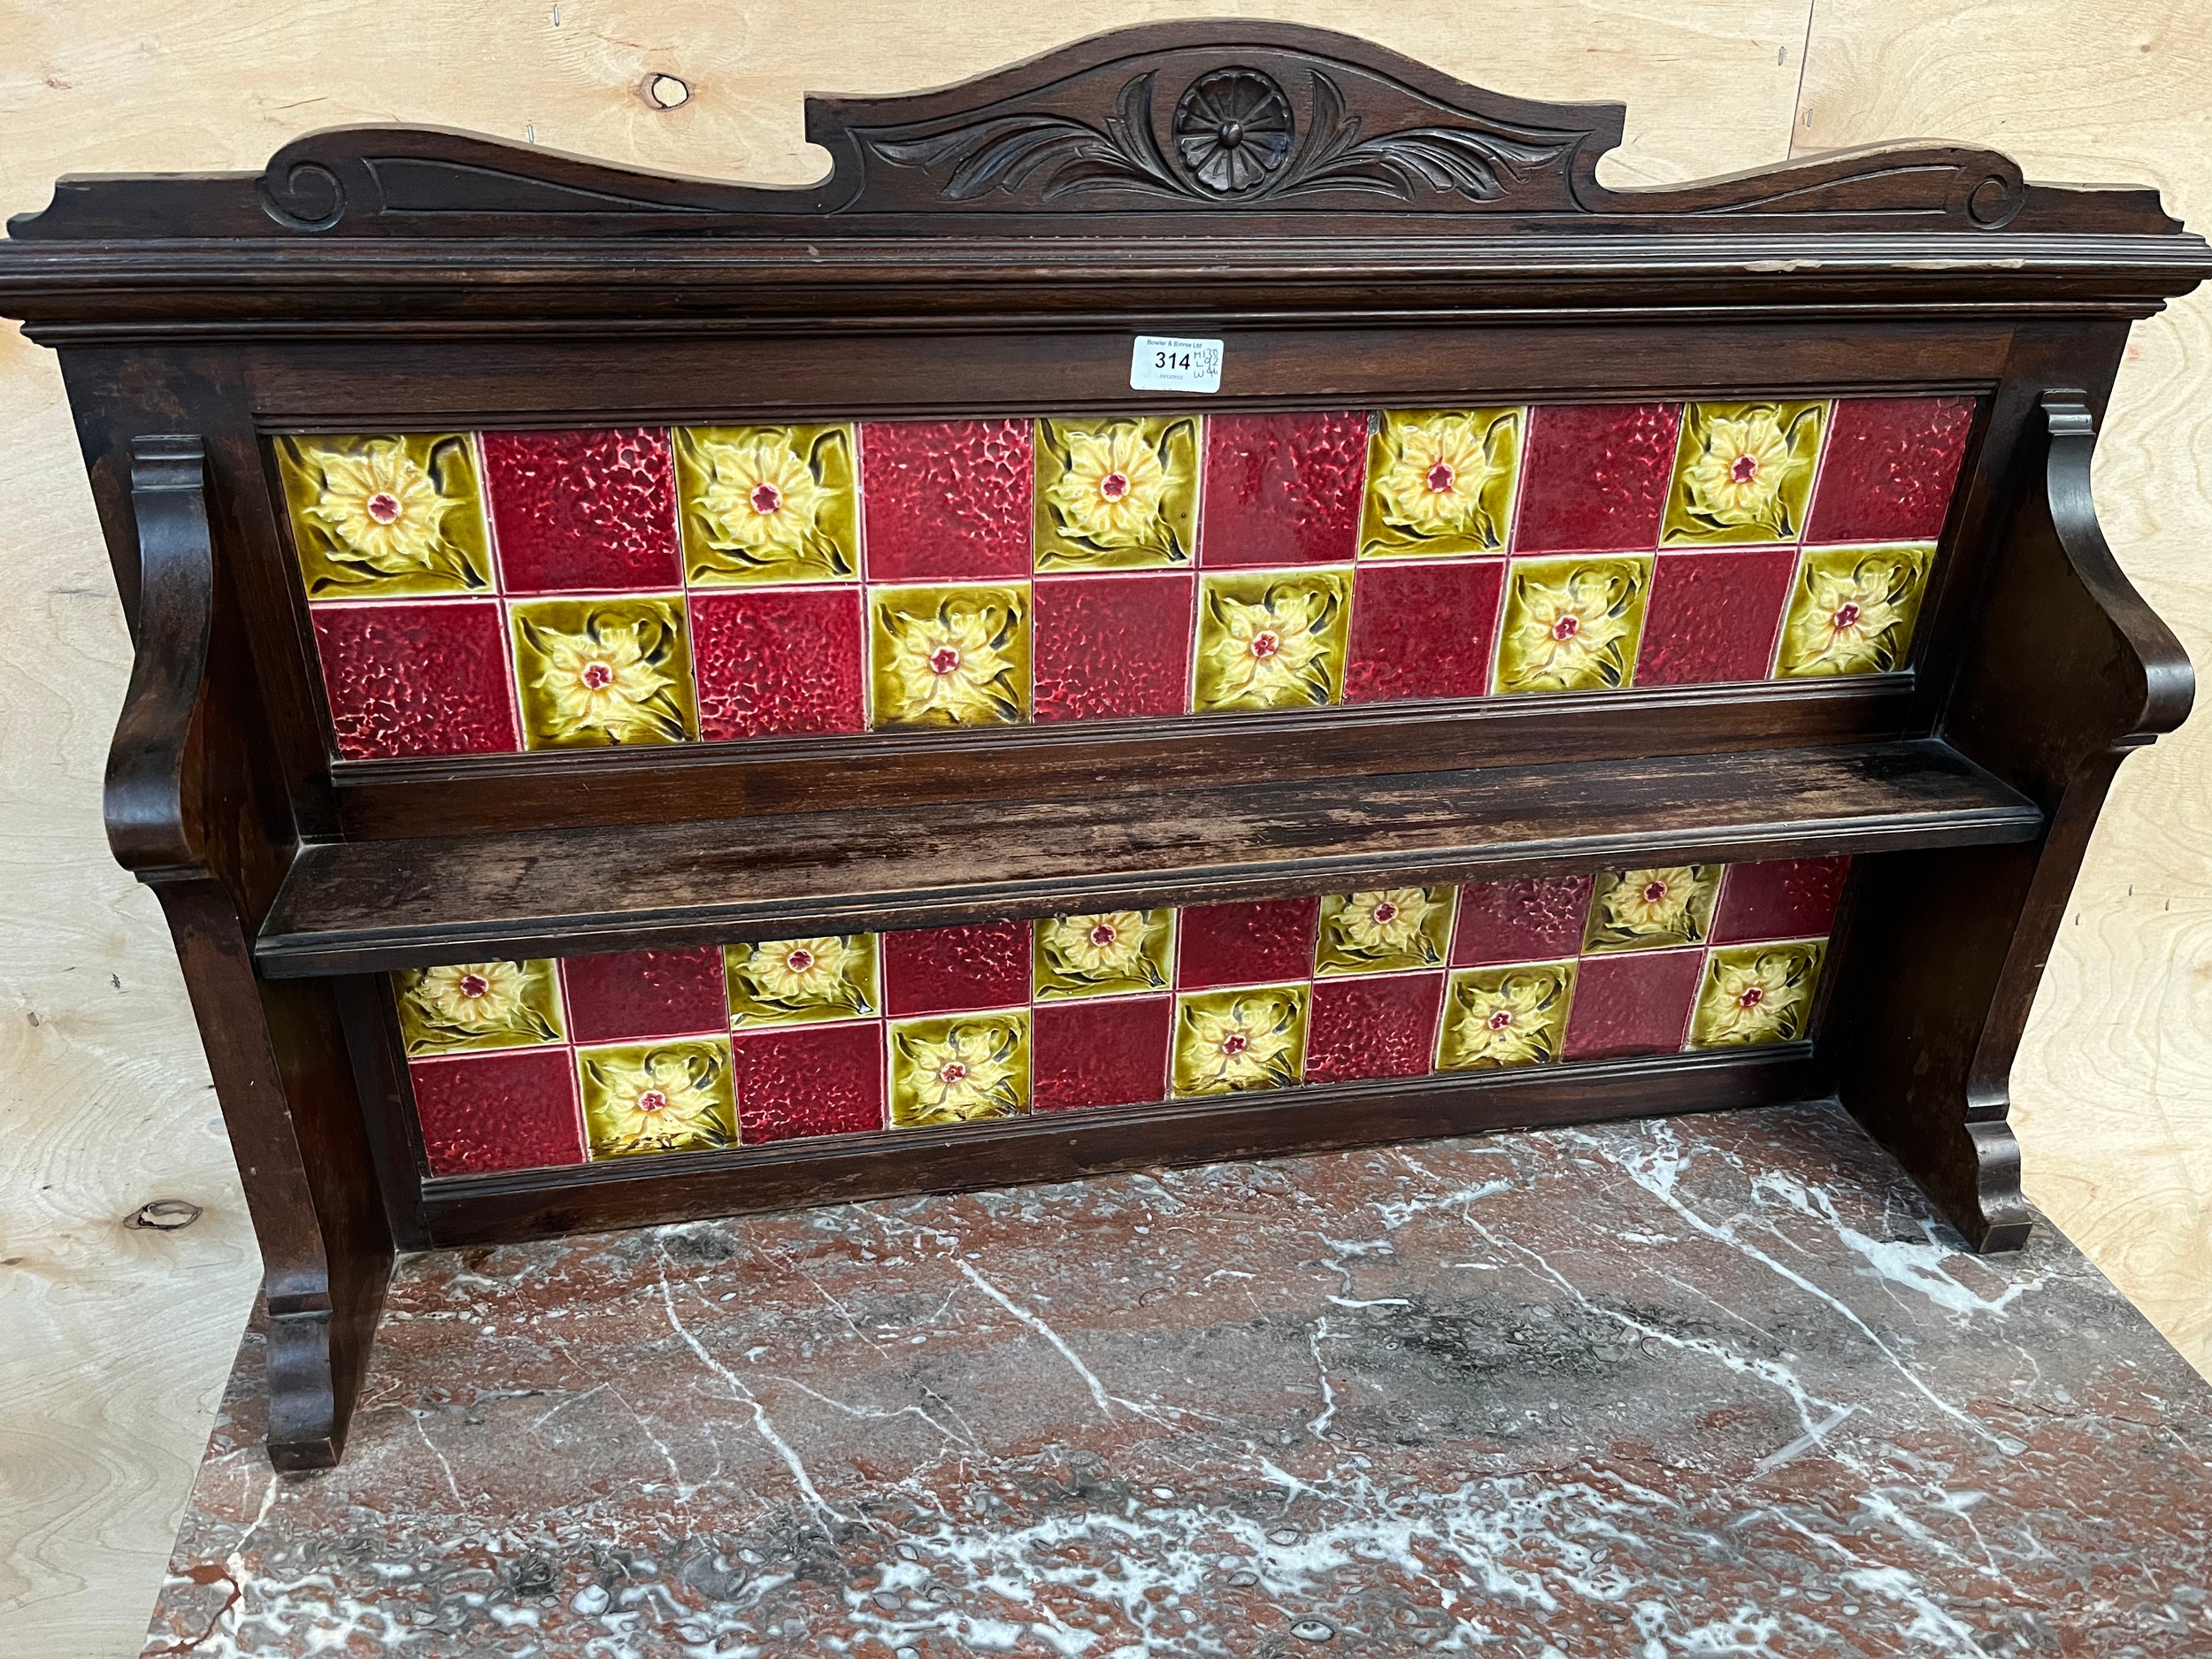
x,y
1501,1016
1392,927
1227,1042
1573,623
1272,640
1852,610
477,1005
1441,482
1757,993
384,516
599,672
1115,494
797,982
955,655
767,503
959,1069
1743,472
1101,953
657,1098
1651,909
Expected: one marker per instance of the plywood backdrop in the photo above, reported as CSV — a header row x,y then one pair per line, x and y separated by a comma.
x,y
116,1340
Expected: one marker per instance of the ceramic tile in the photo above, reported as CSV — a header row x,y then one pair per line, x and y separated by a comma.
x,y
775,661
1714,615
1422,628
1638,1003
1853,610
798,982
1115,494
1595,478
1781,898
1743,472
1283,490
416,679
1652,909
1109,1053
1244,944
1506,1016
949,970
946,501
1532,918
767,505
483,1113
1377,1026
1113,646
1383,929
596,672
637,994
386,516
657,1098
478,1005
1573,623
959,1069
1104,953
1229,1041
1890,467
1441,482
1270,640
950,655
582,511
1756,994
816,1080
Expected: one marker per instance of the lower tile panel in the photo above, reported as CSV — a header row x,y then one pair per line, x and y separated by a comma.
x,y
560,1060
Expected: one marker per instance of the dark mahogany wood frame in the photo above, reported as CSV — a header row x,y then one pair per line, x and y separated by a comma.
x,y
992,248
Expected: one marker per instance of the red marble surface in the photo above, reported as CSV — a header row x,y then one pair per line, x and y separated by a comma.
x,y
1636,1002
946,500
1713,615
639,993
1261,943
1373,1026
1283,490
1782,898
578,511
808,1080
1113,645
1097,1051
1889,468
416,679
1537,918
1595,477
950,970
1718,1385
1422,628
513,1110
771,661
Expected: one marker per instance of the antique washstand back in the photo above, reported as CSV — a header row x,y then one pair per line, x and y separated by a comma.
x,y
657,698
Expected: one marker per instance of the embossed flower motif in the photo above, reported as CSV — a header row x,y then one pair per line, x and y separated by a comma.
x,y
476,1005
1436,482
1855,617
1569,633
659,1100
965,1075
1245,1041
472,997
1745,472
1657,901
1108,946
1277,648
382,507
801,970
759,498
1112,487
1756,994
1509,1017
786,981
1389,921
600,680
1232,129
1647,910
954,663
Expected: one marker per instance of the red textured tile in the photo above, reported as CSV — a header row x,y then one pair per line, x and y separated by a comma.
x,y
946,500
816,1080
1265,943
1100,1053
1376,1026
577,511
1536,919
639,994
1636,1003
498,1111
1714,616
1111,645
1422,628
772,660
1891,465
1595,477
1783,898
948,970
1282,489
416,679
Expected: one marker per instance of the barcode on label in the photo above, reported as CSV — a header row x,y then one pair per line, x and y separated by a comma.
x,y
1161,365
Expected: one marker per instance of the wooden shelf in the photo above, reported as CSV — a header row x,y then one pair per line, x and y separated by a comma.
x,y
358,906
